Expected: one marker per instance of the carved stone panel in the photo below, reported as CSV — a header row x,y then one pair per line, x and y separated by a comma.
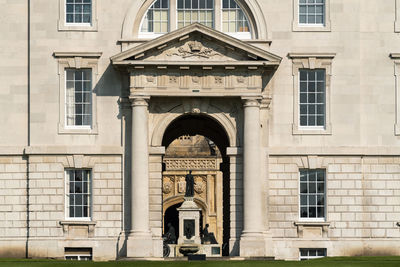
x,y
207,187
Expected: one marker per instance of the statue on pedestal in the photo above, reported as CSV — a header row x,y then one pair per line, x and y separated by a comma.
x,y
189,185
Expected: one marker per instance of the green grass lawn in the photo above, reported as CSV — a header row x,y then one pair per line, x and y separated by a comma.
x,y
326,262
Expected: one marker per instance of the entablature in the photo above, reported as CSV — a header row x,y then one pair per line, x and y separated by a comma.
x,y
196,80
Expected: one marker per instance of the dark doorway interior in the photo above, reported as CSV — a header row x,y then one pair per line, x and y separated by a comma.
x,y
172,216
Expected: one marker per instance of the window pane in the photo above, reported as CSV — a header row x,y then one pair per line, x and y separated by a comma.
x,y
303,200
311,120
304,212
320,212
303,120
312,212
303,188
320,200
303,109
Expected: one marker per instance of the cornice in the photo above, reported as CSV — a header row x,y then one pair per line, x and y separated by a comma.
x,y
394,55
310,55
77,54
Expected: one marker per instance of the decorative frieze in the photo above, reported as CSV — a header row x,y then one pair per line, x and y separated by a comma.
x,y
155,79
191,164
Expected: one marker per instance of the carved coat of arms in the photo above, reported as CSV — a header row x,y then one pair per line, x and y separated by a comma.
x,y
194,49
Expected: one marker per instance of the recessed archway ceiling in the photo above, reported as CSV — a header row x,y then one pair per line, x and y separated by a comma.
x,y
197,124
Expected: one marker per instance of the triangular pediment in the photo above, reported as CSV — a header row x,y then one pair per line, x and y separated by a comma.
x,y
195,44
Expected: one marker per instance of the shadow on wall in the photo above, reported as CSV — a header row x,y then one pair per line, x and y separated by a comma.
x,y
109,83
113,83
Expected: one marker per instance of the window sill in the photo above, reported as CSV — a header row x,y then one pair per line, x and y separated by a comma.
x,y
68,225
311,27
297,130
81,27
304,226
312,223
78,130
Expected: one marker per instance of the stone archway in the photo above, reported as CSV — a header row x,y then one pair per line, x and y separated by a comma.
x,y
187,140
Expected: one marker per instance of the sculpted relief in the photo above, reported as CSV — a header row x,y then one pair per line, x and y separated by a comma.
x,y
194,49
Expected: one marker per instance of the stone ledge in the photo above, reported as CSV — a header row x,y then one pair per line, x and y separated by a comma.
x,y
84,150
301,226
67,224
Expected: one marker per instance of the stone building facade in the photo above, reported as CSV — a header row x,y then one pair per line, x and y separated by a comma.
x,y
301,98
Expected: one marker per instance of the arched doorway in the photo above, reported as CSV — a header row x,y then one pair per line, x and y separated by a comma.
x,y
198,142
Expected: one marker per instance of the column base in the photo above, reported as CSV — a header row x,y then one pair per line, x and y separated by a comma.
x,y
252,245
143,245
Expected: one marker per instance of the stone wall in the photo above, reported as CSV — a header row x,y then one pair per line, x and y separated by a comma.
x,y
49,231
362,196
13,217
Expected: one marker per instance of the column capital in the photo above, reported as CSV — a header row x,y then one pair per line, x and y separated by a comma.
x,y
251,101
139,100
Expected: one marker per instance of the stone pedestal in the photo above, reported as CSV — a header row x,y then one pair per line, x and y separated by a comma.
x,y
189,223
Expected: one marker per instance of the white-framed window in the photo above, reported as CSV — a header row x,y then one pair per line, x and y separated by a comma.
x,y
311,12
167,15
311,95
312,195
77,15
78,11
190,11
78,183
311,253
78,98
312,98
311,15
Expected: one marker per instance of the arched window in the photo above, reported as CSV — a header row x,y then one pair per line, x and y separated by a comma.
x,y
156,19
167,15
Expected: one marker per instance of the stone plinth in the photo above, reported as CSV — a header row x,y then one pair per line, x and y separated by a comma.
x,y
189,218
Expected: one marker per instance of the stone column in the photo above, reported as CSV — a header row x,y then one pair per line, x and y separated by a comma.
x,y
252,239
140,239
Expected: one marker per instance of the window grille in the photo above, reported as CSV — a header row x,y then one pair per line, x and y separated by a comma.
x,y
157,18
78,97
78,194
312,97
311,12
312,194
312,253
78,254
190,11
78,11
233,18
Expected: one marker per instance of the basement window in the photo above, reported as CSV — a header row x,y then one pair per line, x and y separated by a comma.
x,y
78,254
312,253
